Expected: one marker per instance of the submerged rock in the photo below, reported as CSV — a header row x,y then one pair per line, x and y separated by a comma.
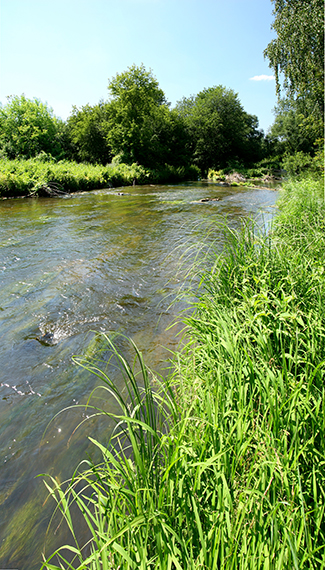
x,y
47,339
209,199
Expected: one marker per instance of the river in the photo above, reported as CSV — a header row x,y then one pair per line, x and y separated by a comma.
x,y
70,266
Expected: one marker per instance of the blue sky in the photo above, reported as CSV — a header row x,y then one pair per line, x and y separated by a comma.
x,y
64,51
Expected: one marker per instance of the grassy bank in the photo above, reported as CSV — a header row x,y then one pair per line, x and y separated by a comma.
x,y
42,176
221,465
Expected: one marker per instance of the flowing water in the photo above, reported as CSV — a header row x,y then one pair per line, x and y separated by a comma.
x,y
99,261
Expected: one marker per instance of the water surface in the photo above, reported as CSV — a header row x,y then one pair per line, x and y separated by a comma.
x,y
99,261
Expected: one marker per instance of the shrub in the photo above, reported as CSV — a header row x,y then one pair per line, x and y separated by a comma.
x,y
297,163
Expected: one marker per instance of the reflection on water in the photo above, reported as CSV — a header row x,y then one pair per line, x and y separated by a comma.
x,y
69,266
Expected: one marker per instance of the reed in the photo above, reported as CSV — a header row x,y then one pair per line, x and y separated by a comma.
x,y
221,464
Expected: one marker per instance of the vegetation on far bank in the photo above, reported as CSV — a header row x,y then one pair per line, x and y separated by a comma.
x,y
42,176
221,464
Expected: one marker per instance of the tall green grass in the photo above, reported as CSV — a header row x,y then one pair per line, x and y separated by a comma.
x,y
42,176
222,464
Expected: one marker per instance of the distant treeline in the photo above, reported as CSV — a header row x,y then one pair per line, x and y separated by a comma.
x,y
138,126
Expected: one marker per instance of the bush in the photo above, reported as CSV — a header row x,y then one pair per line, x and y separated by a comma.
x,y
216,174
297,163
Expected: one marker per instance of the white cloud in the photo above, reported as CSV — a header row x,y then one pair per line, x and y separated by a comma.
x,y
262,78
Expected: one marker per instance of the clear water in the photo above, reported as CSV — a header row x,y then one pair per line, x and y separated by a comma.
x,y
96,261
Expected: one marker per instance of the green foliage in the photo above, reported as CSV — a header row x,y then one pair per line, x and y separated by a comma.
x,y
136,86
298,49
255,172
137,126
258,171
87,132
174,141
297,163
28,127
138,113
34,176
216,174
297,55
170,173
319,158
43,176
292,129
252,145
222,464
219,129
270,163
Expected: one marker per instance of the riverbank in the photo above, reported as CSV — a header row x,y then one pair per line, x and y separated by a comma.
x,y
249,177
42,176
225,465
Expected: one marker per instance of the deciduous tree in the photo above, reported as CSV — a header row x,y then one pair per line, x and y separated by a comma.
x,y
87,133
219,128
137,113
296,55
292,130
27,127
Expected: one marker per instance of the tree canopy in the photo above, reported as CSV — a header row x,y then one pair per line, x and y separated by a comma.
x,y
137,125
219,128
293,132
137,114
87,133
27,127
136,86
297,52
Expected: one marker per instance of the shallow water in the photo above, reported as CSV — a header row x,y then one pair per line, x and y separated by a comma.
x,y
70,266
